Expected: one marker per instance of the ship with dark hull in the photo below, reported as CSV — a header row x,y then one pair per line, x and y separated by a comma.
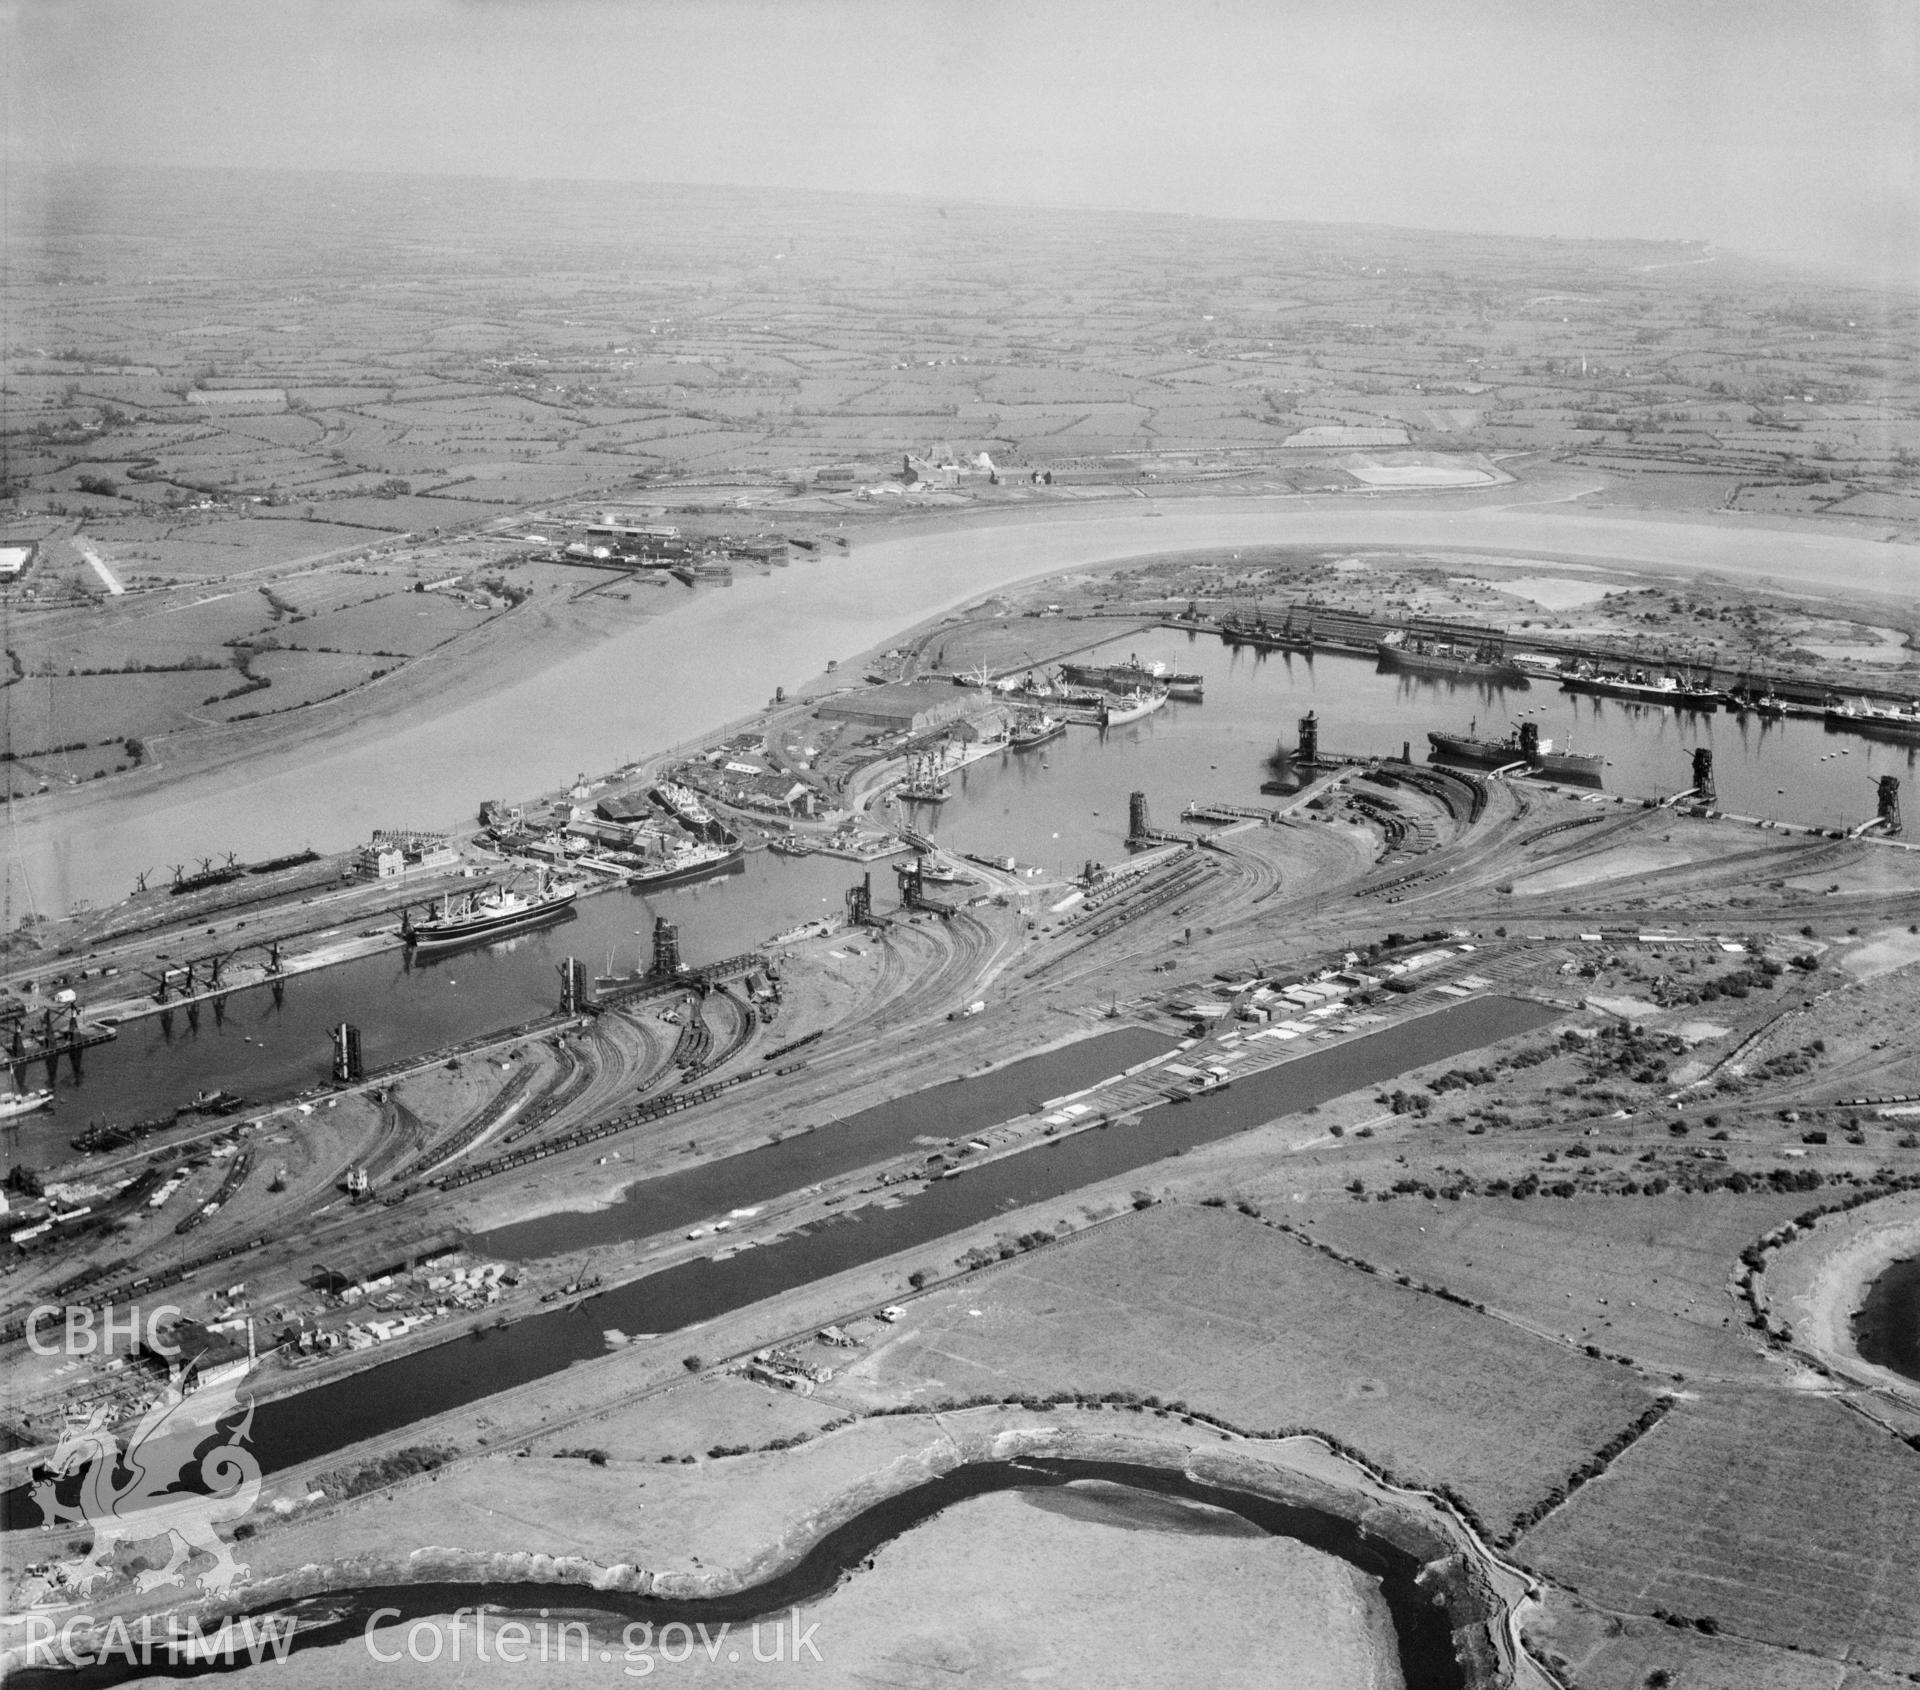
x,y
1262,635
1762,704
1134,676
1899,723
1523,746
680,866
483,915
1640,686
214,1102
1449,659
1032,728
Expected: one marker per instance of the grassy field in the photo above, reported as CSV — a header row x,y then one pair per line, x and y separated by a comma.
x,y
1600,1650
1223,1313
1778,1517
1647,1277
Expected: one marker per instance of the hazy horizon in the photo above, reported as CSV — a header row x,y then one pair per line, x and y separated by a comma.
x,y
1770,129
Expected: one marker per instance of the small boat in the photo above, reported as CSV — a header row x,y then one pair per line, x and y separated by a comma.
x,y
215,1102
16,1103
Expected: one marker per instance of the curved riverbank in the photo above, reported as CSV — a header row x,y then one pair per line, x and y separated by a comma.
x,y
538,719
1451,1604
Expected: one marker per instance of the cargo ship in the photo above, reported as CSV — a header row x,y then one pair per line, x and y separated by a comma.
x,y
481,915
1523,745
1134,676
212,1103
1640,687
1262,635
1130,708
1761,704
925,784
1034,727
1897,722
683,863
1449,659
684,805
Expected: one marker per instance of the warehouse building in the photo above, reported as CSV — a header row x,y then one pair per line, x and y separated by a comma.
x,y
907,707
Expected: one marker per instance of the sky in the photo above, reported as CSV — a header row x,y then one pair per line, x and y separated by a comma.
x,y
1780,127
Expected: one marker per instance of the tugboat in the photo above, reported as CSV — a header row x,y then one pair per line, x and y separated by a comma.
x,y
1523,745
481,915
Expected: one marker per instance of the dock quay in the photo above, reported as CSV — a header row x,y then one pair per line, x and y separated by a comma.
x,y
652,985
1318,628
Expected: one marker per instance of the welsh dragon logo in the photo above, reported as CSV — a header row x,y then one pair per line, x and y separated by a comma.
x,y
140,1492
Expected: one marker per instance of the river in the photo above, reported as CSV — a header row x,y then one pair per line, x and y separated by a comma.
x,y
1422,1627
720,653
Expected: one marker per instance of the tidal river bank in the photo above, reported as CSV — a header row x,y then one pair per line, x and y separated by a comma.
x,y
533,721
820,1514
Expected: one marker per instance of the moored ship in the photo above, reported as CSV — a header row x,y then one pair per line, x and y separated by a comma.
x,y
925,782
1523,745
14,1103
1134,676
683,862
1641,687
1449,659
1256,631
932,872
684,805
1897,722
1034,727
481,915
1130,708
